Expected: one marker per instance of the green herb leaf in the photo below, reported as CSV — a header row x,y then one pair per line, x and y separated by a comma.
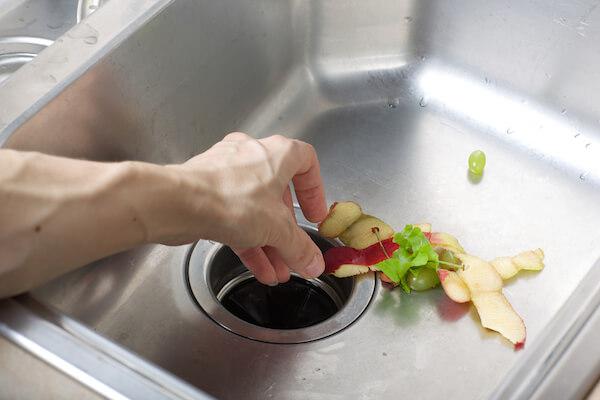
x,y
414,252
393,268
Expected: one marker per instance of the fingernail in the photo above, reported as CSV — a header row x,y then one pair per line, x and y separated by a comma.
x,y
273,284
315,267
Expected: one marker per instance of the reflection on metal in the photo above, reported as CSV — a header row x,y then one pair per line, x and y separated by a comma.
x,y
16,51
566,352
85,356
27,27
85,8
11,62
514,118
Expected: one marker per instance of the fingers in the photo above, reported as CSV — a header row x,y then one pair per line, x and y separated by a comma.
x,y
287,200
289,245
265,263
281,269
296,249
311,194
257,261
301,164
308,185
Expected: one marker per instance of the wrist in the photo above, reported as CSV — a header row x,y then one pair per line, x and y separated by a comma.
x,y
174,204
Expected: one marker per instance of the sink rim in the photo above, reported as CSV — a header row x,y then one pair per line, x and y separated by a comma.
x,y
85,355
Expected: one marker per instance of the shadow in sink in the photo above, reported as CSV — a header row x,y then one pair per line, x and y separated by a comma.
x,y
101,127
94,298
411,309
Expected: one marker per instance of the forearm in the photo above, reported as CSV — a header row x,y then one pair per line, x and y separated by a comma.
x,y
57,214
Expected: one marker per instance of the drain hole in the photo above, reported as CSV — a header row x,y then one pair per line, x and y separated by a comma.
x,y
295,304
298,303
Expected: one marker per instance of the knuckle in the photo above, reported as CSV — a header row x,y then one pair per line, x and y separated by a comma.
x,y
310,149
283,230
281,143
236,136
279,139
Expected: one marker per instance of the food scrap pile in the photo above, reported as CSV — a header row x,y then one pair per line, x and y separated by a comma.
x,y
418,259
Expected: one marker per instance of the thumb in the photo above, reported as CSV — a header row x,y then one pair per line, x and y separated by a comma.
x,y
297,249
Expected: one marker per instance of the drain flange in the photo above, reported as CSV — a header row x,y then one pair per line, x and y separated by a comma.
x,y
294,312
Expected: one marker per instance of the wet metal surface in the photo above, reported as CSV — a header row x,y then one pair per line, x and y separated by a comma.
x,y
394,96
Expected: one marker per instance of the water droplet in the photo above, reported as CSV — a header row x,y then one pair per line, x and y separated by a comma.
x,y
91,40
587,146
423,102
84,32
563,111
393,103
582,176
486,80
422,58
408,19
55,25
510,131
577,135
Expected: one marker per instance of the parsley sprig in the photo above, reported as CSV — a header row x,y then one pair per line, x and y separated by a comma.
x,y
414,252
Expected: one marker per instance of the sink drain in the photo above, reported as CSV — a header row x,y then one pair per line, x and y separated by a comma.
x,y
297,311
292,305
16,51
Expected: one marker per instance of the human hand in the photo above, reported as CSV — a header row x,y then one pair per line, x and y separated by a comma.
x,y
241,197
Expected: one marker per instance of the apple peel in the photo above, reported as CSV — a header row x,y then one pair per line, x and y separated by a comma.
x,y
507,267
337,257
369,241
366,231
341,215
446,241
495,312
454,287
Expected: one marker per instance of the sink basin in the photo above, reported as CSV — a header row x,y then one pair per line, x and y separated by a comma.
x,y
28,27
394,96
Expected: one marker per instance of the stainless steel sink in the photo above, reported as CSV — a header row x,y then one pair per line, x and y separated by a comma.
x,y
394,96
29,26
